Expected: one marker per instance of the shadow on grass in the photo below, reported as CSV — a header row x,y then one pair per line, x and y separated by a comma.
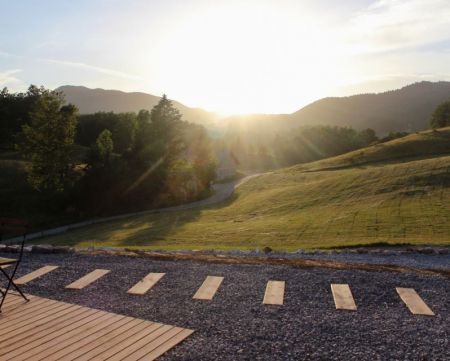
x,y
141,231
166,223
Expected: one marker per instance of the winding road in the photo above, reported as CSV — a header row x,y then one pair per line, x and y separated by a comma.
x,y
222,191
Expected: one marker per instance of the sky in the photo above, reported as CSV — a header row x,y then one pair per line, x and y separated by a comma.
x,y
232,57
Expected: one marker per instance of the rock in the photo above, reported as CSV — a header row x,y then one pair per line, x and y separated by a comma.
x,y
12,249
425,250
63,249
27,249
267,250
42,248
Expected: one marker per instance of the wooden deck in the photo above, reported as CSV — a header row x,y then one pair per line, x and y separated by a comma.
x,y
44,329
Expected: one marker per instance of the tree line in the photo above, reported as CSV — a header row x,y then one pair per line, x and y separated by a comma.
x,y
310,143
105,162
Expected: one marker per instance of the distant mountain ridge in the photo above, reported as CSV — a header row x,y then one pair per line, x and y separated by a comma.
x,y
406,109
100,100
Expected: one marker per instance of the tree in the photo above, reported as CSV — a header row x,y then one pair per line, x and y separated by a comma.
x,y
441,115
367,136
159,136
101,151
47,141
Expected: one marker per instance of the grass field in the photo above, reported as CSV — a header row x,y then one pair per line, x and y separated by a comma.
x,y
401,201
413,146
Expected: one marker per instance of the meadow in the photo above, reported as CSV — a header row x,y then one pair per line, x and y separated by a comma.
x,y
396,193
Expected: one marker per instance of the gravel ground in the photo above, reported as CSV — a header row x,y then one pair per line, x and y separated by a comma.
x,y
414,260
236,326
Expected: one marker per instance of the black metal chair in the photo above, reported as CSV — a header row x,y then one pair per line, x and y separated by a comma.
x,y
13,262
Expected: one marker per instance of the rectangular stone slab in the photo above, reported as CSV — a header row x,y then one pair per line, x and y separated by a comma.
x,y
145,284
35,274
88,279
209,288
274,293
343,298
7,261
414,302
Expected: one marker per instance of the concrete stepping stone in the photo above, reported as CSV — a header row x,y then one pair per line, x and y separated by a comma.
x,y
274,293
209,288
343,298
88,279
414,302
35,274
144,285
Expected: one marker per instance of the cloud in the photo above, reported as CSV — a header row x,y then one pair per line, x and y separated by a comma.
x,y
7,78
395,24
88,67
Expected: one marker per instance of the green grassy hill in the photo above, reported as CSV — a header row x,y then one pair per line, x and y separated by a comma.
x,y
413,146
389,193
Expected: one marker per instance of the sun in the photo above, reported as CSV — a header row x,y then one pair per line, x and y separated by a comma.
x,y
249,57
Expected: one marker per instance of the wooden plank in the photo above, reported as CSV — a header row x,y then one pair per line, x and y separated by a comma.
x,y
127,334
128,342
145,284
54,341
88,344
149,346
7,261
12,299
209,288
274,293
83,340
135,346
20,309
37,330
65,317
62,342
88,279
343,298
158,351
33,309
41,337
53,330
35,274
156,348
21,323
11,310
414,302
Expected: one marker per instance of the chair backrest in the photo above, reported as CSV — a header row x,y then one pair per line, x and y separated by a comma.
x,y
14,227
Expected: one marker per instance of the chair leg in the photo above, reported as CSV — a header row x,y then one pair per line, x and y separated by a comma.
x,y
11,283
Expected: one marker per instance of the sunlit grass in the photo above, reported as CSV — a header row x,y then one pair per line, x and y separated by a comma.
x,y
407,202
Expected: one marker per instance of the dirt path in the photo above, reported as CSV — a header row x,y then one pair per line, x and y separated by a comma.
x,y
221,193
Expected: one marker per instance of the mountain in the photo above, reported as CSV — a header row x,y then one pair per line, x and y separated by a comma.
x,y
100,100
406,109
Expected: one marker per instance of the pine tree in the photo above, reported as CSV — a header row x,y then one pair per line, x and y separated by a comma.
x,y
47,142
441,116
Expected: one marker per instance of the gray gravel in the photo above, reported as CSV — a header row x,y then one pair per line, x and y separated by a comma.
x,y
236,326
409,260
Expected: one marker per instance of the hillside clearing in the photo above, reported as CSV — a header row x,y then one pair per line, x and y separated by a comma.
x,y
406,202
